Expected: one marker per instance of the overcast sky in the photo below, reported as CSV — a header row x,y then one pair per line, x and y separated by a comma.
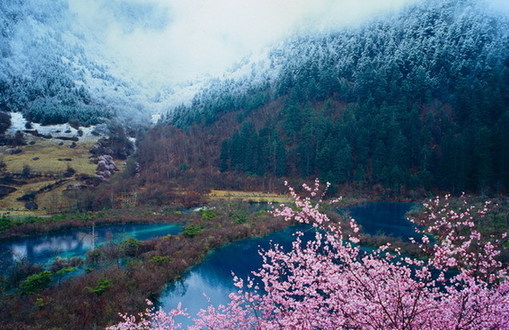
x,y
177,40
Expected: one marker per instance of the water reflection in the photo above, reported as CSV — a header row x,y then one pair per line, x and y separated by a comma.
x,y
44,249
383,218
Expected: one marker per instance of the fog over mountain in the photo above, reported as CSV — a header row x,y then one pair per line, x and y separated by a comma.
x,y
177,41
102,58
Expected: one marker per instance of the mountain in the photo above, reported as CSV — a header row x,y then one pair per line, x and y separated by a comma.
x,y
416,99
53,70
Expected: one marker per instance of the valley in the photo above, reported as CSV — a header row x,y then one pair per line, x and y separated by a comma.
x,y
150,148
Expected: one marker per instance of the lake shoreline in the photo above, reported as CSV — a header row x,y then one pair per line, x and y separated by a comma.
x,y
32,226
37,226
146,271
144,274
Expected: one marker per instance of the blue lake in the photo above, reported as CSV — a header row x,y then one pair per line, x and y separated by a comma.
x,y
213,276
387,218
43,249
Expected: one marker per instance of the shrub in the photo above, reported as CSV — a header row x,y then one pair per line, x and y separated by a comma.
x,y
103,285
131,247
160,259
239,217
192,230
20,271
35,283
62,273
207,214
5,223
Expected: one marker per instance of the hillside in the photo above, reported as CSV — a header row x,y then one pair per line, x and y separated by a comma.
x,y
412,101
38,168
48,169
416,100
54,70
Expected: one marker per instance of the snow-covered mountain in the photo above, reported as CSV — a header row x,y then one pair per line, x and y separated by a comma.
x,y
428,48
56,66
418,97
53,69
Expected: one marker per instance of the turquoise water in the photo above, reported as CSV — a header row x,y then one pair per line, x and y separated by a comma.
x,y
213,276
43,249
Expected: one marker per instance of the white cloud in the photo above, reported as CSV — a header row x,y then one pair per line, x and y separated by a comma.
x,y
177,40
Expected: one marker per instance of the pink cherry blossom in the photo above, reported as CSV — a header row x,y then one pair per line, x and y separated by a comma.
x,y
330,283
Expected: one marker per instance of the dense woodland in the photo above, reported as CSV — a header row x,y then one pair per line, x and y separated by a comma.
x,y
417,100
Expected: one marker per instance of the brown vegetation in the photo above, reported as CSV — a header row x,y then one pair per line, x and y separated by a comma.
x,y
130,273
36,174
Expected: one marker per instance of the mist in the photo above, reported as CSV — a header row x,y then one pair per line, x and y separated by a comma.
x,y
174,41
502,6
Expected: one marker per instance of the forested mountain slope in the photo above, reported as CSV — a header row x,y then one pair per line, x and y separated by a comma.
x,y
51,70
416,99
